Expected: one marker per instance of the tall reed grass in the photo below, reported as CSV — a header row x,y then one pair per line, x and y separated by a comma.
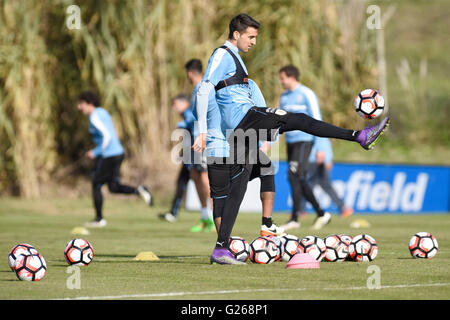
x,y
133,53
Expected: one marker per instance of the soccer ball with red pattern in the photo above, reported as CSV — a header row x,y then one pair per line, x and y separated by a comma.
x,y
17,251
79,252
264,250
30,267
337,249
280,244
314,246
347,240
423,245
363,248
369,104
290,246
239,248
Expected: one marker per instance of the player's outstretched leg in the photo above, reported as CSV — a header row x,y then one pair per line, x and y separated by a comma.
x,y
368,137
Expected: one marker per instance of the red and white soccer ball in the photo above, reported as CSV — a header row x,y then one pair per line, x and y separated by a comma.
x,y
423,245
79,252
30,267
314,246
239,247
347,239
369,104
264,250
363,248
290,246
280,244
17,251
337,249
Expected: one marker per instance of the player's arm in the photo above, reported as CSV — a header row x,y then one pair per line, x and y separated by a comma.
x,y
202,109
213,74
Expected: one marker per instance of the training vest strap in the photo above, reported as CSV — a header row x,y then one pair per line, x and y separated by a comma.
x,y
240,77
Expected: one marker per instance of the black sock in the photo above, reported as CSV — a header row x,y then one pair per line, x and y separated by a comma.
x,y
223,244
267,221
230,210
303,122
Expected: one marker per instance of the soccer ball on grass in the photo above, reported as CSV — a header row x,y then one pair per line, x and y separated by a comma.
x,y
363,248
314,246
30,267
423,245
79,252
264,250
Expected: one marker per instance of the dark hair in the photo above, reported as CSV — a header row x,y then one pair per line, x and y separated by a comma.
x,y
194,65
181,97
291,71
240,23
89,97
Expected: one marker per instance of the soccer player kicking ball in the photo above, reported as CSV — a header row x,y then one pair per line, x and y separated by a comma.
x,y
108,155
227,75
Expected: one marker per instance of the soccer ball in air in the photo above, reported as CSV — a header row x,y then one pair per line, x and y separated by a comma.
x,y
17,251
314,246
337,249
369,104
239,248
423,245
290,246
79,252
264,250
363,248
30,267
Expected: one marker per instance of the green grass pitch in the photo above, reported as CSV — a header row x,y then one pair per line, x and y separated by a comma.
x,y
184,272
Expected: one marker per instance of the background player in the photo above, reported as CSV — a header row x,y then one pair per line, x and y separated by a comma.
x,y
108,155
298,98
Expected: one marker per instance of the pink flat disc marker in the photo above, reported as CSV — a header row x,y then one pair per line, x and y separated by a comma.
x,y
303,261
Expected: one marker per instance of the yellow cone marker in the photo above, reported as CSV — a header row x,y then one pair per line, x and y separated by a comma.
x,y
146,256
360,223
80,230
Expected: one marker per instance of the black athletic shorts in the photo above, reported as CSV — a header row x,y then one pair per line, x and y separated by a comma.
x,y
220,174
107,169
259,124
263,167
298,156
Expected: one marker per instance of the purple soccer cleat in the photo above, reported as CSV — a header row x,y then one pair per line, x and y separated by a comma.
x,y
223,256
368,136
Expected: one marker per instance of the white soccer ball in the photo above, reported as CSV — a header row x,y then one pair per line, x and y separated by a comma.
x,y
290,246
17,251
369,104
239,247
423,245
30,267
337,249
363,248
264,250
79,252
314,246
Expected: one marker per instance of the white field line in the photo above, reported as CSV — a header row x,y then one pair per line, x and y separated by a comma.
x,y
188,293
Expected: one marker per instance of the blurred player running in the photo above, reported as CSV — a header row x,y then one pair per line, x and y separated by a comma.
x,y
108,155
298,98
